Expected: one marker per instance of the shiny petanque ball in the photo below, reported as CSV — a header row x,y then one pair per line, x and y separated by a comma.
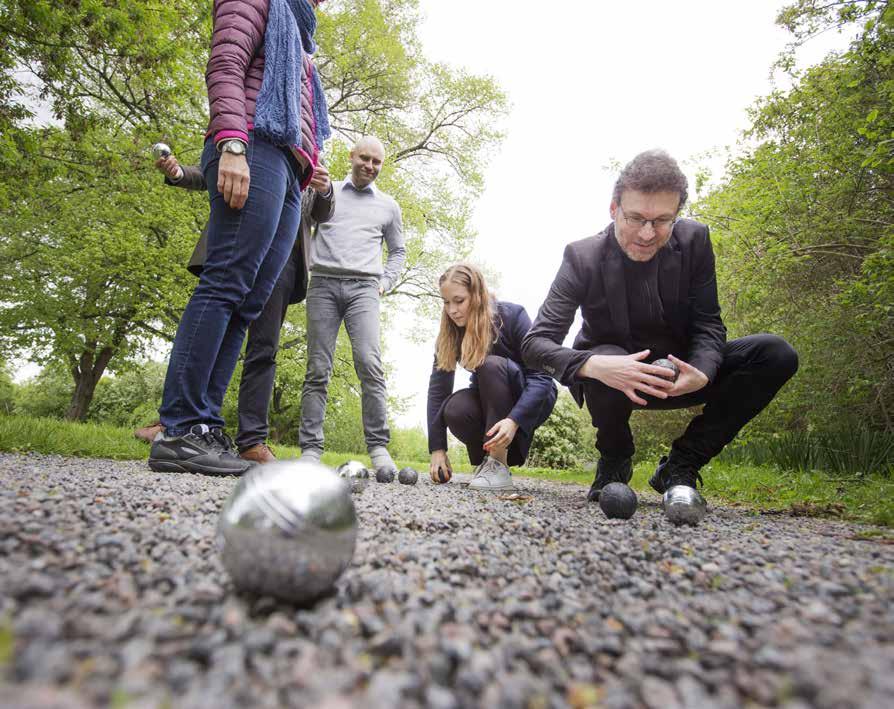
x,y
684,505
667,364
385,475
288,530
355,473
617,501
160,150
407,476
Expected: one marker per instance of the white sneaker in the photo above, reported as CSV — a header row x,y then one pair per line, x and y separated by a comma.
x,y
492,475
311,455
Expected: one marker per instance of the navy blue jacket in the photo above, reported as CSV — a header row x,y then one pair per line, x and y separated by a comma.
x,y
537,390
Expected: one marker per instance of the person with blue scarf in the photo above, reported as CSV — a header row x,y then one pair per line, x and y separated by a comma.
x,y
267,128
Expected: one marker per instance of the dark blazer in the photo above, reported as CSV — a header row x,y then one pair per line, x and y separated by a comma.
x,y
591,278
315,208
536,391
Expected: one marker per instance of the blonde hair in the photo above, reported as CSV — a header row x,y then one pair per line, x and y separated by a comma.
x,y
469,345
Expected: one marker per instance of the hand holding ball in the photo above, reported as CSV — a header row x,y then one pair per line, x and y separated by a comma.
x,y
667,364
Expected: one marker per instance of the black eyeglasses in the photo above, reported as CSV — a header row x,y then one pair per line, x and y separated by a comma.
x,y
658,224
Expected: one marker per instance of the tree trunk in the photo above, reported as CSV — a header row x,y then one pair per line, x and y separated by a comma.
x,y
86,374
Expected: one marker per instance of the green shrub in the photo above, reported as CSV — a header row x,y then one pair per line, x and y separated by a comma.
x,y
565,440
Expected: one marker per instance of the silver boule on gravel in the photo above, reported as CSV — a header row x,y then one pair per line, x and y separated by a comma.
x,y
288,530
667,364
684,505
618,501
407,476
355,473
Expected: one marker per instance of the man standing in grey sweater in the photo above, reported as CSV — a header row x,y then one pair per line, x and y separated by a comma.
x,y
346,282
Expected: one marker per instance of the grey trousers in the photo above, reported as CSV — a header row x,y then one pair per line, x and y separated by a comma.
x,y
356,302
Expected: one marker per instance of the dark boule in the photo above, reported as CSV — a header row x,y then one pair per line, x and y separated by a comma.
x,y
617,501
667,364
407,476
385,475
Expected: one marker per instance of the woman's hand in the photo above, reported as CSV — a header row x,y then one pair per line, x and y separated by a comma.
x,y
233,179
502,433
440,470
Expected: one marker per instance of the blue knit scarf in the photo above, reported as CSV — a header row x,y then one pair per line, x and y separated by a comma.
x,y
290,29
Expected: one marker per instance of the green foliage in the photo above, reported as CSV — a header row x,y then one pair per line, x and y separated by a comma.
x,y
45,395
7,390
130,399
565,440
803,225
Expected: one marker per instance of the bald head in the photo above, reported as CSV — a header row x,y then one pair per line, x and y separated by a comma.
x,y
367,157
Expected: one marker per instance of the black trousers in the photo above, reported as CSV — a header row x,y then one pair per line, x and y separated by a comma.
x,y
470,413
753,370
259,367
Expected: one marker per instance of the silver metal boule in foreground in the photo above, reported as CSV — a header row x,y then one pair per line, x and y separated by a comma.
x,y
288,530
355,473
684,505
160,150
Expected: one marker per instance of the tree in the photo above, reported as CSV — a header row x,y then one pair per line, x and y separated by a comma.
x,y
804,224
92,245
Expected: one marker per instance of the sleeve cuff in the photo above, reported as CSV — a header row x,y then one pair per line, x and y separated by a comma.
x,y
230,135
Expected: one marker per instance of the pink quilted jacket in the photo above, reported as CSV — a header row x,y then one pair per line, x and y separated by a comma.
x,y
235,72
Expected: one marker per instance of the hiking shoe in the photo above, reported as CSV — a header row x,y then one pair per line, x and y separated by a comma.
x,y
492,475
311,455
148,433
199,451
609,470
258,454
678,483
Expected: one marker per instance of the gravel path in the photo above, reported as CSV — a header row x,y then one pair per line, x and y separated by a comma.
x,y
113,594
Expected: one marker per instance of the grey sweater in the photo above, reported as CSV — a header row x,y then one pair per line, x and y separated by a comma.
x,y
349,245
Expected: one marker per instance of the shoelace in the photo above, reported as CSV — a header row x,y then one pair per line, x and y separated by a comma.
x,y
684,476
222,438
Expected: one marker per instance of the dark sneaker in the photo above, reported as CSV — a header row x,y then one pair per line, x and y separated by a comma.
x,y
199,451
609,470
682,502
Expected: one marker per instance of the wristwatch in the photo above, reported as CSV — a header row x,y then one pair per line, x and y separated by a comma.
x,y
237,147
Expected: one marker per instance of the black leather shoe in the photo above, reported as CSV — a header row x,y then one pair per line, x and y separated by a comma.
x,y
202,450
667,474
610,470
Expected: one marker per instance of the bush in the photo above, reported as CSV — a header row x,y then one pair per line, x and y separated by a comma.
x,y
46,395
565,440
131,398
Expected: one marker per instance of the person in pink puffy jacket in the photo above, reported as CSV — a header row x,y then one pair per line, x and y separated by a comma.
x,y
267,128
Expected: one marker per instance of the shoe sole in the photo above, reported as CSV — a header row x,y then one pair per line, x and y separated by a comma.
x,y
172,466
491,488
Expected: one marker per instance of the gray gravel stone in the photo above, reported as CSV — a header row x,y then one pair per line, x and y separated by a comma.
x,y
113,589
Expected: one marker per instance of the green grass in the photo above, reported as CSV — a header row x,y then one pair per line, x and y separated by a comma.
x,y
763,488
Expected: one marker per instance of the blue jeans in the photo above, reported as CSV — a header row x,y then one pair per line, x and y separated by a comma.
x,y
247,249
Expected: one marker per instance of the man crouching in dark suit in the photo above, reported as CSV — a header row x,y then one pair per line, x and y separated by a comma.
x,y
647,289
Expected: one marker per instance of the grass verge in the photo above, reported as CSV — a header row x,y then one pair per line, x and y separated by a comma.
x,y
762,488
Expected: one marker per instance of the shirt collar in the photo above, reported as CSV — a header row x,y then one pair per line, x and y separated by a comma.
x,y
350,182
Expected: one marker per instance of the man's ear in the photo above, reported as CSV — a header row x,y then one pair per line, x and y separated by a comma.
x,y
613,209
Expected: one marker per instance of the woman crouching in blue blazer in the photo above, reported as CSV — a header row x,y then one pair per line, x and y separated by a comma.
x,y
506,401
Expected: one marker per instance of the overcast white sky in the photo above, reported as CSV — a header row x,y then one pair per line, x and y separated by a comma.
x,y
590,82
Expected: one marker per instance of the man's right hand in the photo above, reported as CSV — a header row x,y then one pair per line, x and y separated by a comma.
x,y
440,470
233,179
628,373
320,182
170,167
